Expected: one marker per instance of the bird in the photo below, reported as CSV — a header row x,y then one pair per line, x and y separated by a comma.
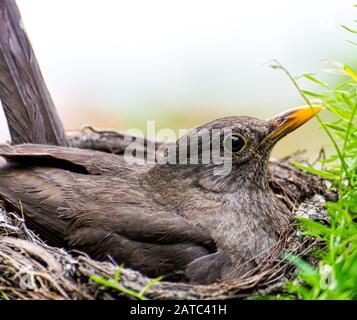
x,y
162,218
159,218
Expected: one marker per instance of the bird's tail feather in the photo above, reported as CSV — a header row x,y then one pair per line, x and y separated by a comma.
x,y
28,107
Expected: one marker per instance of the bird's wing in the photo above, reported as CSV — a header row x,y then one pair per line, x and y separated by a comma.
x,y
37,196
72,159
71,196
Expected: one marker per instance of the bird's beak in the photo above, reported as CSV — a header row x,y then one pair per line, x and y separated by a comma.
x,y
286,122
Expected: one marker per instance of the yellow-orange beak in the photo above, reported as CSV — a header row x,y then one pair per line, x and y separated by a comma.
x,y
286,122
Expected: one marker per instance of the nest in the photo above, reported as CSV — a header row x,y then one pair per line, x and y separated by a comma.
x,y
31,269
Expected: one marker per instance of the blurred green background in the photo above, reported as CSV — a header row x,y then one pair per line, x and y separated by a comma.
x,y
117,64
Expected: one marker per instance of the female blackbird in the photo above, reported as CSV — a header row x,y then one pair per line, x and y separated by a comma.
x,y
158,218
168,217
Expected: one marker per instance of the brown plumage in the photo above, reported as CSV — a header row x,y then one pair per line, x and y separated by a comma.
x,y
22,85
158,218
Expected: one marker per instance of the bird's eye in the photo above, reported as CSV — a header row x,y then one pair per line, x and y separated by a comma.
x,y
234,142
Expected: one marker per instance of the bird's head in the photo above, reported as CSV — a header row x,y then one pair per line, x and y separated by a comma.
x,y
232,152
